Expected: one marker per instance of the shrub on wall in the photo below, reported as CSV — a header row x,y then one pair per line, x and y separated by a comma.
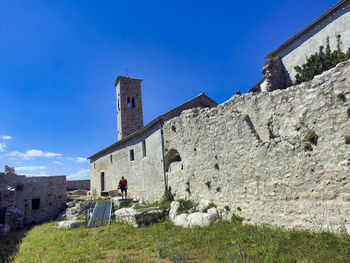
x,y
311,137
321,61
347,139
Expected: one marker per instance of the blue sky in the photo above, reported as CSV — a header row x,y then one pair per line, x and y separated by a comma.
x,y
59,60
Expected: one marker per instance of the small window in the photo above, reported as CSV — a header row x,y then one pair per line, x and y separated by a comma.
x,y
118,105
95,165
129,105
111,158
132,156
35,204
143,148
133,102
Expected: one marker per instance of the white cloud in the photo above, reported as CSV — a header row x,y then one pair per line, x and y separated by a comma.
x,y
2,146
81,160
33,153
6,137
30,168
81,174
57,162
26,174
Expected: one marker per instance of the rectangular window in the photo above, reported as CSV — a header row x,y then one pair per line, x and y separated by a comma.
x,y
35,204
111,158
132,156
144,148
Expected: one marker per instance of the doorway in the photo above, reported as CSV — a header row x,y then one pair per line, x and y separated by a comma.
x,y
102,181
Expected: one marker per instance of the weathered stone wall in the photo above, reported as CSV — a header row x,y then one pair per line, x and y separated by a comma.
x,y
50,190
144,173
78,185
248,154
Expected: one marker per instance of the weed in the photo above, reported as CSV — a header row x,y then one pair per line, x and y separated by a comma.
x,y
218,189
185,205
341,96
188,190
270,128
216,166
208,183
236,219
173,128
347,139
311,137
308,147
239,208
227,208
348,112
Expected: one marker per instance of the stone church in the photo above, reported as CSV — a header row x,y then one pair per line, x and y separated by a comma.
x,y
139,153
279,69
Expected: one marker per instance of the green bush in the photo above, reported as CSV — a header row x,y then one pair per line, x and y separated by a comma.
x,y
185,205
167,199
321,61
218,189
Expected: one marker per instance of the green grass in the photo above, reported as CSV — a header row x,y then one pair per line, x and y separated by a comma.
x,y
223,242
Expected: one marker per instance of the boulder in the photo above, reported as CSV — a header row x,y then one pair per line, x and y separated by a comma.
x,y
139,217
79,210
70,224
174,208
201,219
181,220
203,204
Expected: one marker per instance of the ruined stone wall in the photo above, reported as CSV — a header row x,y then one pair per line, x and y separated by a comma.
x,y
248,154
78,185
51,190
144,173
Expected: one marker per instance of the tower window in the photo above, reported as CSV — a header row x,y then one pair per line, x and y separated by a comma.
x,y
133,102
132,155
129,105
111,158
143,148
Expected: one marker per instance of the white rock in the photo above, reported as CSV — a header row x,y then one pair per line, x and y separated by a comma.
x,y
181,220
202,205
174,207
201,219
70,224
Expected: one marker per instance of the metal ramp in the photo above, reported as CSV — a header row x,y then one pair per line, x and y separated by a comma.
x,y
101,214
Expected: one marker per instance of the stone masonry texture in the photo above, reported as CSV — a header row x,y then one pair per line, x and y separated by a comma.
x,y
129,106
249,154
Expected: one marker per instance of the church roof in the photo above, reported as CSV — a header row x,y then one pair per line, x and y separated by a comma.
x,y
199,100
323,16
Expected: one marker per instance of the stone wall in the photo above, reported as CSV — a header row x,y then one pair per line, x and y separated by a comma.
x,y
41,198
249,154
78,185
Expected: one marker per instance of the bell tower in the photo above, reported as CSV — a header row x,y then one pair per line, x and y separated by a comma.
x,y
129,106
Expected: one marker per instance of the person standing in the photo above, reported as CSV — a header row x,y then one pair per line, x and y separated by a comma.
x,y
123,185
